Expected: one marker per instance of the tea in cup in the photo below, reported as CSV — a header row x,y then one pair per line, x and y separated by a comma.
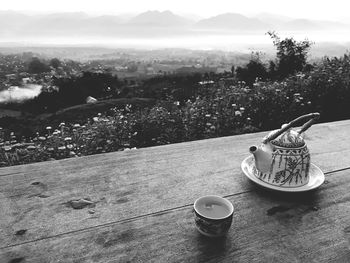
x,y
213,215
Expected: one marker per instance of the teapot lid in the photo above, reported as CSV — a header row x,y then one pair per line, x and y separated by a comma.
x,y
288,139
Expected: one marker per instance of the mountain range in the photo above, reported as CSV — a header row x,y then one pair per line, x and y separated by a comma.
x,y
151,23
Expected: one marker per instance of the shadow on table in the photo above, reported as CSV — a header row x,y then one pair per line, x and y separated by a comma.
x,y
288,202
303,197
212,248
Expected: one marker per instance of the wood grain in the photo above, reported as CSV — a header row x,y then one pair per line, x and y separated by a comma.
x,y
36,198
267,227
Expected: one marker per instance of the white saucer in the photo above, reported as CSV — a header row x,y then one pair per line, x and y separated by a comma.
x,y
316,178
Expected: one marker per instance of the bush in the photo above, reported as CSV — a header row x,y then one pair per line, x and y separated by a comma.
x,y
220,109
35,66
291,57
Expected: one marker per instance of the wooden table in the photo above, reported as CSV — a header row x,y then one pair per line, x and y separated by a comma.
x,y
140,207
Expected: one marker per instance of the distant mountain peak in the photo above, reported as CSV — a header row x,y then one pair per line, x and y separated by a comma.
x,y
159,18
154,13
228,14
232,21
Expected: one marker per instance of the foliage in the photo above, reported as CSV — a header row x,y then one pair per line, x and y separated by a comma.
x,y
254,70
55,63
220,107
291,58
74,90
178,87
35,66
291,54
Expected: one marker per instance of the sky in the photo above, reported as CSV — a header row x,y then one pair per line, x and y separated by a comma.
x,y
312,9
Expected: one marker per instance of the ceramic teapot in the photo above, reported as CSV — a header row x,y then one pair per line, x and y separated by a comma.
x,y
283,158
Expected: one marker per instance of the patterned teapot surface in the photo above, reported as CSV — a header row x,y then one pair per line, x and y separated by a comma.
x,y
283,158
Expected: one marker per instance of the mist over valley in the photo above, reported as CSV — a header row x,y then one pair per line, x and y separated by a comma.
x,y
157,30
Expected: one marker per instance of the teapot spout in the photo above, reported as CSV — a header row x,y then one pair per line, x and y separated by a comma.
x,y
262,156
253,149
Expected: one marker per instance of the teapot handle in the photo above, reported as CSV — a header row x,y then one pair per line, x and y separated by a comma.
x,y
312,116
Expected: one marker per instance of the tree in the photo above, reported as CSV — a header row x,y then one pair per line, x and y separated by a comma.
x,y
291,54
55,63
255,69
272,71
233,70
35,66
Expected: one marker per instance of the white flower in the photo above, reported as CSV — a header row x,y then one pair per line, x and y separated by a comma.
x,y
7,148
238,113
70,146
31,147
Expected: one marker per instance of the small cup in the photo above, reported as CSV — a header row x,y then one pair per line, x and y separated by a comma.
x,y
213,215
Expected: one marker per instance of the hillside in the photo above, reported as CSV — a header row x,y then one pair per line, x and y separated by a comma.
x,y
159,19
219,107
234,22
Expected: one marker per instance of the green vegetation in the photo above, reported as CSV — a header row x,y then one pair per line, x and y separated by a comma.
x,y
291,58
182,107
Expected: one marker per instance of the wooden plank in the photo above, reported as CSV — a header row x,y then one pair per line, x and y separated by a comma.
x,y
135,183
267,227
